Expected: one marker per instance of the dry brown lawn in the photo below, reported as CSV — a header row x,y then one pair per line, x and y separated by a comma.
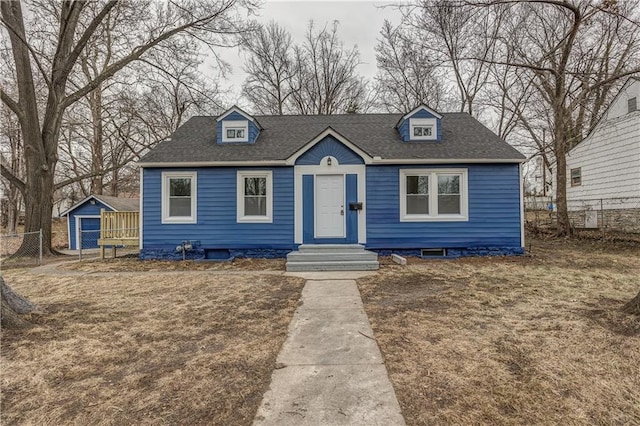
x,y
146,348
512,341
137,265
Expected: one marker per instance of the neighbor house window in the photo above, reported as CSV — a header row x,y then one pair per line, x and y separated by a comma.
x,y
179,197
422,128
632,104
235,131
576,177
255,196
430,194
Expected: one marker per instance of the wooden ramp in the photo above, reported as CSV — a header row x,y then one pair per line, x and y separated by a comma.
x,y
118,229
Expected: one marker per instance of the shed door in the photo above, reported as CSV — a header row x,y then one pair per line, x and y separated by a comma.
x,y
329,206
90,232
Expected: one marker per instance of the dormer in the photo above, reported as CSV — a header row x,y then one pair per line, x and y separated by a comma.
x,y
421,124
236,126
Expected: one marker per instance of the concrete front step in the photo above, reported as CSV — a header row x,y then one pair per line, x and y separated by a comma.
x,y
332,257
330,248
327,256
333,266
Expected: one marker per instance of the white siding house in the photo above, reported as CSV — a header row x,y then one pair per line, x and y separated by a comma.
x,y
603,171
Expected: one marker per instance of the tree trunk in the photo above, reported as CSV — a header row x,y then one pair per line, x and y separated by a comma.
x,y
38,209
633,306
14,305
560,145
97,157
40,159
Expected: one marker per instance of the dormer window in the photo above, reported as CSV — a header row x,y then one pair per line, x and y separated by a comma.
x,y
423,128
235,131
420,131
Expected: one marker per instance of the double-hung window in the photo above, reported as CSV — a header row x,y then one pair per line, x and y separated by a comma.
x,y
179,197
433,195
576,176
255,196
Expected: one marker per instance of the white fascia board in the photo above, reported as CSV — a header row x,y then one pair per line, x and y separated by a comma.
x,y
291,161
214,164
447,161
239,111
78,204
328,132
418,108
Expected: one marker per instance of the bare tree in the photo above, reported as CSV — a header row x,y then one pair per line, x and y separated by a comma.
x,y
213,22
576,54
318,76
269,67
11,154
328,82
455,41
407,76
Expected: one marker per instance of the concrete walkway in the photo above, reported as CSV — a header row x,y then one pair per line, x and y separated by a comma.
x,y
330,371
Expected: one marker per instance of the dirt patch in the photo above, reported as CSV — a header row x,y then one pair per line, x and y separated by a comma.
x,y
148,349
537,339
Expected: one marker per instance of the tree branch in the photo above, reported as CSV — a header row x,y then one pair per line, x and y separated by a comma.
x,y
134,55
20,37
86,35
13,105
75,179
12,178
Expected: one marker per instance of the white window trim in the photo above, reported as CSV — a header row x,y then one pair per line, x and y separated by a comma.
x,y
423,122
241,175
165,197
235,124
433,216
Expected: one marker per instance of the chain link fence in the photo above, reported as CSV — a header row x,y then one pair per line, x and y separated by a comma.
x,y
21,249
606,215
120,243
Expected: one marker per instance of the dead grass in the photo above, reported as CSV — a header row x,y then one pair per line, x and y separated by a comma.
x,y
188,348
136,265
527,340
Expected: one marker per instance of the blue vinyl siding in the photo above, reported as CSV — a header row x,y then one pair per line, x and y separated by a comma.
x,y
405,131
494,211
329,146
234,116
217,225
85,209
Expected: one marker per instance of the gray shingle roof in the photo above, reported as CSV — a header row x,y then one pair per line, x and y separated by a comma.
x,y
120,204
463,138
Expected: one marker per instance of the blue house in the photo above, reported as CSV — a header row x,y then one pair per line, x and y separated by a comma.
x,y
83,218
422,183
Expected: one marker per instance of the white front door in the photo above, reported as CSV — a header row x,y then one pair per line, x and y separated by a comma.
x,y
329,206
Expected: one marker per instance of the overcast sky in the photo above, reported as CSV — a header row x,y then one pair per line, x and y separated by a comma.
x,y
360,24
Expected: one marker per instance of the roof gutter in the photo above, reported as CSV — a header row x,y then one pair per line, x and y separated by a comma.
x,y
390,161
214,164
375,160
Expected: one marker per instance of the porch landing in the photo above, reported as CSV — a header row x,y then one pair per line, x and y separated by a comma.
x,y
332,257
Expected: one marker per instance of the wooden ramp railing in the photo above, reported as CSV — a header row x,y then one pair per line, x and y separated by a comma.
x,y
118,229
